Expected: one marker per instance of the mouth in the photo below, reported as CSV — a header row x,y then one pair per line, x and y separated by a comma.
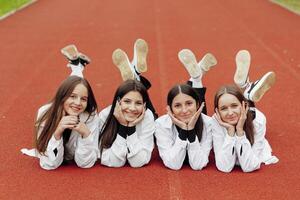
x,y
232,119
75,109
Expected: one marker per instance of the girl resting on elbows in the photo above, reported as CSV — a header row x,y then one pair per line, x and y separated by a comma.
x,y
184,132
238,127
67,127
127,126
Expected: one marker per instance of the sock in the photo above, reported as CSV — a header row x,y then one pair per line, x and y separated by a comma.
x,y
136,73
196,82
76,70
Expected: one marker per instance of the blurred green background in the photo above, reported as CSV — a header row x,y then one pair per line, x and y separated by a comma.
x,y
293,5
10,5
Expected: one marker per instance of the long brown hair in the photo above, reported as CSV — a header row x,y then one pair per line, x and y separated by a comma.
x,y
235,91
47,123
188,90
108,132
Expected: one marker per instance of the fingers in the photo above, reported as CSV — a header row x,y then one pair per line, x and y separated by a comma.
x,y
201,106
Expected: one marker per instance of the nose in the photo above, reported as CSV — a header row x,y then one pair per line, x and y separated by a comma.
x,y
77,101
132,106
184,109
230,112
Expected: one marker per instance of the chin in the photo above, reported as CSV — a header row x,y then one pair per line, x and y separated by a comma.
x,y
130,119
73,113
233,123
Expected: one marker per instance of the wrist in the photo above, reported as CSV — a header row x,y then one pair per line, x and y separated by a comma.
x,y
240,132
57,134
231,131
85,134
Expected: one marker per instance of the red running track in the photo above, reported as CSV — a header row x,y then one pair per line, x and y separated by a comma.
x,y
32,68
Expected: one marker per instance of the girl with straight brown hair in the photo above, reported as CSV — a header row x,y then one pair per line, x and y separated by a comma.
x,y
67,127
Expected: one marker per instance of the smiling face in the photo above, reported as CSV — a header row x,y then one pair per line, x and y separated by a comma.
x,y
229,108
76,103
183,107
132,105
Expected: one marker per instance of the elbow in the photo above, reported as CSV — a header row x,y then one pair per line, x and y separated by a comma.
x,y
49,167
115,164
173,166
85,165
250,168
199,166
224,168
139,160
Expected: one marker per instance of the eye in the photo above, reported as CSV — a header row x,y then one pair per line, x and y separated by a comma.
x,y
223,108
84,99
127,101
139,103
73,96
189,103
177,106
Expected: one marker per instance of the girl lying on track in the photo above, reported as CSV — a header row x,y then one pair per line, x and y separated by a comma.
x,y
67,127
127,126
238,128
184,132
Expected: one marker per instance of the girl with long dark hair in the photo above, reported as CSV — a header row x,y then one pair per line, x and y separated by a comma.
x,y
184,132
127,126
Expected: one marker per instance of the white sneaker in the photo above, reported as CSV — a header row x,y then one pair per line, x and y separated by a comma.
x,y
188,59
242,60
120,59
255,91
74,56
140,55
70,52
207,62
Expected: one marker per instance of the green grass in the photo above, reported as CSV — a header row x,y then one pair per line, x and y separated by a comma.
x,y
293,5
10,5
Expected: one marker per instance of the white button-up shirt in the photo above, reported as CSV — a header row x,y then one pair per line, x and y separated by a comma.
x,y
230,151
172,149
136,148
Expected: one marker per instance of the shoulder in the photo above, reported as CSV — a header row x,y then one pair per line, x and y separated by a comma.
x,y
206,119
164,120
43,109
149,115
88,118
105,112
260,118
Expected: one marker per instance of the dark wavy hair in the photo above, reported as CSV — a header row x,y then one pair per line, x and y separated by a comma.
x,y
235,91
108,132
48,122
188,90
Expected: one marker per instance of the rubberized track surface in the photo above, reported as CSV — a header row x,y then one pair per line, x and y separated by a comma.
x,y
32,68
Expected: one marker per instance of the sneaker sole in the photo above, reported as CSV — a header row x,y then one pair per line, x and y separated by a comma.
x,y
266,82
242,61
70,52
188,59
84,58
207,62
141,48
120,59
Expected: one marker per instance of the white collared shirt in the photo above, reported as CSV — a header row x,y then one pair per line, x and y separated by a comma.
x,y
83,150
230,151
136,148
172,149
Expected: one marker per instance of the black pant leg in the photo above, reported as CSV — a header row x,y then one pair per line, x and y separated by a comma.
x,y
201,93
147,85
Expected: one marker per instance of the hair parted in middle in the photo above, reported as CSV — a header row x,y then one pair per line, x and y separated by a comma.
x,y
190,91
